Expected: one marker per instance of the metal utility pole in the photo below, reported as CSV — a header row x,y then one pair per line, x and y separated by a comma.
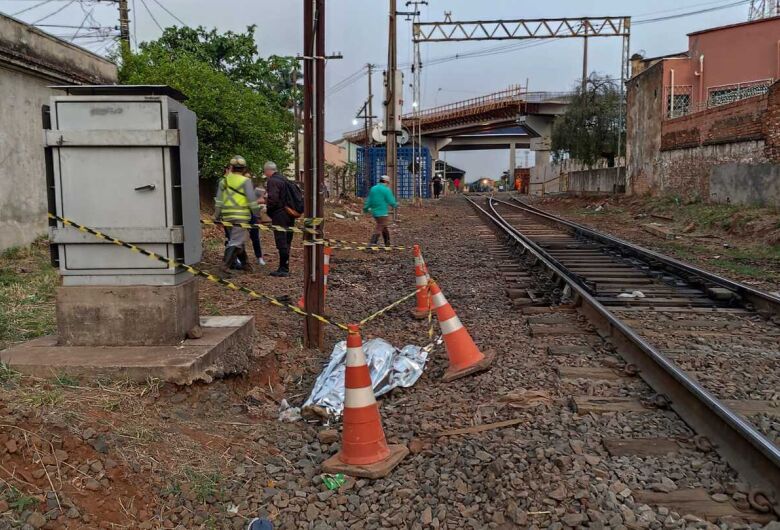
x,y
124,26
414,17
368,123
585,57
390,103
313,162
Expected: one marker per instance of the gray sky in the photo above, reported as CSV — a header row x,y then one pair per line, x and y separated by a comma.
x,y
357,28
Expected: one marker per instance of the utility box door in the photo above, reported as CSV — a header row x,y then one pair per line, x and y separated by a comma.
x,y
114,186
127,166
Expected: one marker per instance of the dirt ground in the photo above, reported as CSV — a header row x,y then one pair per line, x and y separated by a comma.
x,y
78,454
737,242
108,454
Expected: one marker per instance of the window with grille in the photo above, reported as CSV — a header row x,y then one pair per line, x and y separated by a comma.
x,y
722,95
678,100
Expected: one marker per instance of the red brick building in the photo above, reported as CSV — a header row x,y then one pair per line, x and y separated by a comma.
x,y
718,103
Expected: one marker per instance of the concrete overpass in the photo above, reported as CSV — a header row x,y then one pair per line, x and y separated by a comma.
x,y
509,119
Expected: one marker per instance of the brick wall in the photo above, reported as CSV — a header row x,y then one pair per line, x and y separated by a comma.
x,y
772,125
744,132
740,121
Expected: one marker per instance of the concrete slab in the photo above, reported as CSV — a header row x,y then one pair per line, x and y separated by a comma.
x,y
223,349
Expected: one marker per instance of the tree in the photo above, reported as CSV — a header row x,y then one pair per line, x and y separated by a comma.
x,y
236,55
591,126
237,95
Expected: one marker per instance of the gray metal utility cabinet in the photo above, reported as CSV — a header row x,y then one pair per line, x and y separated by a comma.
x,y
124,160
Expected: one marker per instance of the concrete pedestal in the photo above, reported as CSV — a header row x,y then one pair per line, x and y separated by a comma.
x,y
134,315
224,348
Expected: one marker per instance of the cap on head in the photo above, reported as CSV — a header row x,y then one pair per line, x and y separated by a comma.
x,y
238,162
384,178
270,166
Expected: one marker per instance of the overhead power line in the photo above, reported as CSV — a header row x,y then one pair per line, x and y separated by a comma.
x,y
690,13
143,3
30,8
53,13
169,12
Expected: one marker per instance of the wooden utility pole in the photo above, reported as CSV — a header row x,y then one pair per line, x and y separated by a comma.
x,y
390,102
313,162
124,26
297,122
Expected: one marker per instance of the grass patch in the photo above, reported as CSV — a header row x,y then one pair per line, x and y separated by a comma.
x,y
65,380
18,501
27,284
706,215
8,374
203,484
41,397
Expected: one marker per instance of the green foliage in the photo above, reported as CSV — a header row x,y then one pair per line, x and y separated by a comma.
x,y
65,380
203,484
241,99
18,501
8,374
589,129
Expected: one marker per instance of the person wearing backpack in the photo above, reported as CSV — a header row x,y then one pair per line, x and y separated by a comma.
x,y
284,202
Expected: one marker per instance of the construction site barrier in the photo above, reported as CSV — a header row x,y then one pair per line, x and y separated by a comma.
x,y
227,283
314,221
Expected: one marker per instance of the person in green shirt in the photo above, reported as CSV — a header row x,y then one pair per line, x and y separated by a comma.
x,y
378,203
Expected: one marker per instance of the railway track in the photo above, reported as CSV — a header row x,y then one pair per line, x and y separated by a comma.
x,y
708,346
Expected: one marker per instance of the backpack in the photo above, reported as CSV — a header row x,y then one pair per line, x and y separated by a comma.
x,y
293,202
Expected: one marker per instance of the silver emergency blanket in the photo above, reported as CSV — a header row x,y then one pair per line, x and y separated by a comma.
x,y
389,368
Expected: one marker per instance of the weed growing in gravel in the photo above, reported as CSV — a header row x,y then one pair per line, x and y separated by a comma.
x,y
174,488
203,484
17,501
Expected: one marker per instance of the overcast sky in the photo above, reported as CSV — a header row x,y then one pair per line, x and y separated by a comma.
x,y
358,29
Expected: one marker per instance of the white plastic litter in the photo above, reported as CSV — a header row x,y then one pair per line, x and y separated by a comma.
x,y
633,294
288,413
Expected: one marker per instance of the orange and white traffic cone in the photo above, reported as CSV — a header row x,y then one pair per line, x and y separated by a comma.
x,y
465,357
325,271
421,279
364,450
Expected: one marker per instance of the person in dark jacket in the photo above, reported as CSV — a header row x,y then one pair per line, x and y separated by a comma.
x,y
276,200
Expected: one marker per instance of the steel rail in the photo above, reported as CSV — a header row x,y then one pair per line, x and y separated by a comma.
x,y
744,448
761,300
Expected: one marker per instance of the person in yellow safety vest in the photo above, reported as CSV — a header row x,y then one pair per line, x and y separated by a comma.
x,y
235,202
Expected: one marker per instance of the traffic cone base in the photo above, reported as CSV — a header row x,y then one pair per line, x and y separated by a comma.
x,y
452,374
419,314
376,470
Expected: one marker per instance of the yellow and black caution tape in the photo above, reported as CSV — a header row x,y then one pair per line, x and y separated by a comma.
x,y
385,309
254,294
197,272
333,243
344,245
269,228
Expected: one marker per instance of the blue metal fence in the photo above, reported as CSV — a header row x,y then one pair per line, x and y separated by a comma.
x,y
408,184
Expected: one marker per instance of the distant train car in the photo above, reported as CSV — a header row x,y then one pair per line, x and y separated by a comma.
x,y
482,186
